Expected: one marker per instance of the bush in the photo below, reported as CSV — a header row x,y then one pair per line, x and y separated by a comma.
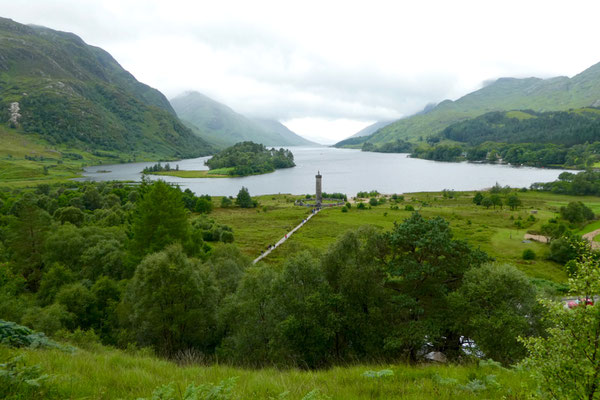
x,y
408,207
344,209
373,201
576,212
361,206
21,381
226,202
15,335
227,237
528,254
348,206
203,206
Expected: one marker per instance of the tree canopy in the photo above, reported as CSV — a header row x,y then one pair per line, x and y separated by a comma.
x,y
247,158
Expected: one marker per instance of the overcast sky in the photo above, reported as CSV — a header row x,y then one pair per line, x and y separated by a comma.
x,y
328,68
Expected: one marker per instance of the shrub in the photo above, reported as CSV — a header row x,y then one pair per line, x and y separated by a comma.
x,y
344,209
361,206
226,202
15,335
20,381
373,201
227,237
528,254
576,212
409,207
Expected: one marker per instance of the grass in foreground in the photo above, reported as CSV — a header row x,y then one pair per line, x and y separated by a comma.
x,y
104,373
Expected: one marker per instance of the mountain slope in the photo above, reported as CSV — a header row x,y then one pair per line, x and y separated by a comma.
x,y
369,130
566,128
223,126
283,131
78,95
559,93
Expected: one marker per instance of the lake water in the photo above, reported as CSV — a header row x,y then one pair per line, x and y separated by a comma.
x,y
344,170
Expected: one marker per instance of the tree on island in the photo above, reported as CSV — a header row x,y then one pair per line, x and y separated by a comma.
x,y
247,158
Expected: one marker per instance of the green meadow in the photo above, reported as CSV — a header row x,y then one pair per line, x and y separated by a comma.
x,y
499,232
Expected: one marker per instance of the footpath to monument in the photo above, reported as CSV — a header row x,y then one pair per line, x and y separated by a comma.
x,y
287,236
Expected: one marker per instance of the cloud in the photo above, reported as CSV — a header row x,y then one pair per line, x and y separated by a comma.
x,y
327,61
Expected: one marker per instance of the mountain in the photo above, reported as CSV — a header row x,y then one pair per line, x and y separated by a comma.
x,y
361,136
285,133
553,94
224,127
72,94
371,129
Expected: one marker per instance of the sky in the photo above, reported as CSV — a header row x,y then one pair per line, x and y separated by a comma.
x,y
327,68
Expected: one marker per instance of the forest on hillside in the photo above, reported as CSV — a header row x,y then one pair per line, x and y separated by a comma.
x,y
569,139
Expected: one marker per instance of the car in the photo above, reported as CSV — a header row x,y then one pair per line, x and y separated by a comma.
x,y
580,302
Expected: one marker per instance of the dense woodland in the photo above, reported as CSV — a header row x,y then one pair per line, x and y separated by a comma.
x,y
248,158
585,183
146,266
133,265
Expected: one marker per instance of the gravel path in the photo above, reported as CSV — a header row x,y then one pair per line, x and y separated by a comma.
x,y
590,238
286,237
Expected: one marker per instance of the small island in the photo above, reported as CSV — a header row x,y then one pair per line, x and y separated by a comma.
x,y
241,159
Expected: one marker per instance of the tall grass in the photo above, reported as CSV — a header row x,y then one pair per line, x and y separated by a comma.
x,y
104,373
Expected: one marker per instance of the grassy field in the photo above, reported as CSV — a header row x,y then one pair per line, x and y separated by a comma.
x,y
256,228
496,231
213,173
26,160
104,373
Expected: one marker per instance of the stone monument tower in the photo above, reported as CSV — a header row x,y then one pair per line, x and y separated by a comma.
x,y
318,191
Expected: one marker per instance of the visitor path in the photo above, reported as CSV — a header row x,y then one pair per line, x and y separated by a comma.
x,y
588,236
286,237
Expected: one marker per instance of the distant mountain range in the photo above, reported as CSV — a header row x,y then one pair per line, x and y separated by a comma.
x,y
222,126
53,84
554,94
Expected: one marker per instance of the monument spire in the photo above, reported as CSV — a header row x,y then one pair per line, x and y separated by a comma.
x,y
318,196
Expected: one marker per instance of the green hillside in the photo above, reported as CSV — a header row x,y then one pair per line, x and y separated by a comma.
x,y
224,127
52,83
559,93
559,127
371,129
565,139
